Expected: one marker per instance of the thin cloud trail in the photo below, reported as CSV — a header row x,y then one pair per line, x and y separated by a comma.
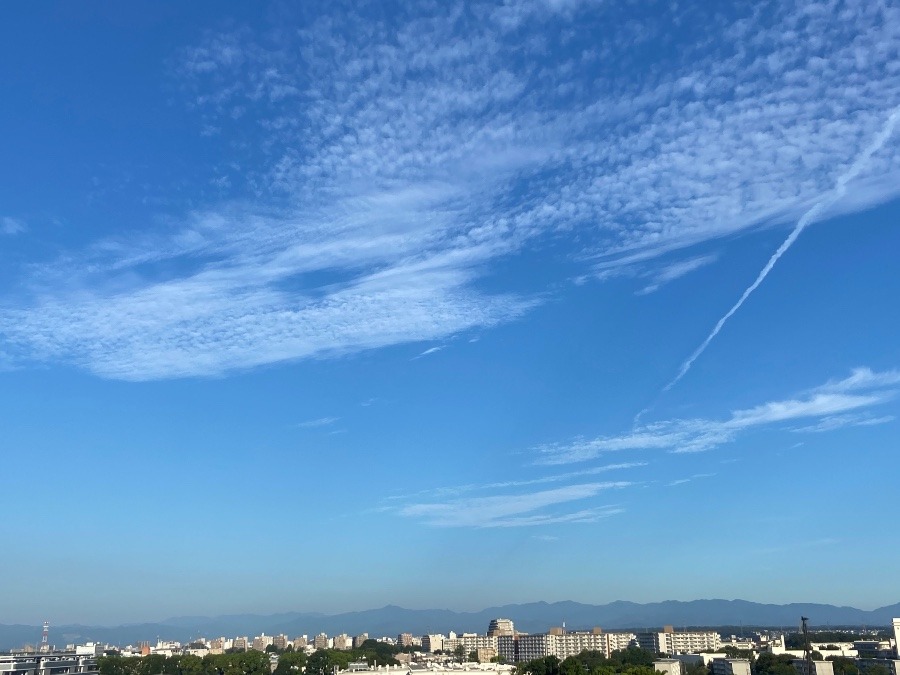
x,y
839,191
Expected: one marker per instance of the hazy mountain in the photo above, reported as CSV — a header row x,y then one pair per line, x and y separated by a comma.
x,y
531,617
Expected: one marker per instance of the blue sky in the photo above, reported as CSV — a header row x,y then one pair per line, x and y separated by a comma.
x,y
447,305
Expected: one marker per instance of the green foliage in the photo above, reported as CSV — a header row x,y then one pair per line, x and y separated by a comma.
x,y
240,663
735,653
290,663
795,640
631,661
772,664
323,661
698,668
843,665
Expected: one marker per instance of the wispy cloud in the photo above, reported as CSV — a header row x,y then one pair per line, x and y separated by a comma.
x,y
861,390
840,421
516,510
395,159
316,423
10,225
682,481
456,490
676,270
810,216
430,350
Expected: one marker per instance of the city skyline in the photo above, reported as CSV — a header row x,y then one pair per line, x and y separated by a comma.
x,y
448,305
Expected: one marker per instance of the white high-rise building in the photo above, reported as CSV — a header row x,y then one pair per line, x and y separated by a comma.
x,y
558,643
896,623
670,642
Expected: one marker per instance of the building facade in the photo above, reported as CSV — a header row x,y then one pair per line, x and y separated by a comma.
x,y
558,643
498,627
48,663
670,642
730,667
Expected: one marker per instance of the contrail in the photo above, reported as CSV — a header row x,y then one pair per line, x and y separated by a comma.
x,y
839,191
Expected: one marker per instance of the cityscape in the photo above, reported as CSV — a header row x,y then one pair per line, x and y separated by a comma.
x,y
501,649
430,337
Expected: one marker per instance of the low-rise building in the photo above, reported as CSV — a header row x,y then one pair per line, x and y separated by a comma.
x,y
818,667
48,663
667,666
726,666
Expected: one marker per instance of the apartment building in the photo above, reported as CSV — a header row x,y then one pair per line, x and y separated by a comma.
x,y
260,642
431,643
498,627
48,663
670,642
559,643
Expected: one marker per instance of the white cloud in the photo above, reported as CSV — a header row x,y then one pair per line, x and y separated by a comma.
x,y
398,159
832,401
515,510
676,270
320,422
10,225
840,421
455,490
430,350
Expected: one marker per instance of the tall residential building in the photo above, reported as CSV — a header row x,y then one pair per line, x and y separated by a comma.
x,y
896,623
342,642
240,643
300,642
280,641
498,627
359,639
670,642
321,641
431,643
405,639
260,642
521,647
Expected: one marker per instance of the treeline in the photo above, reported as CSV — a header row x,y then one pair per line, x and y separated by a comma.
x,y
241,663
631,661
321,662
796,640
636,661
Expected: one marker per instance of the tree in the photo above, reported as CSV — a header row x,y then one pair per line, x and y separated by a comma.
x,y
473,656
460,653
290,663
772,664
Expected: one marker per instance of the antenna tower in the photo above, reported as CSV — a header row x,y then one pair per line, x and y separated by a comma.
x,y
45,635
807,648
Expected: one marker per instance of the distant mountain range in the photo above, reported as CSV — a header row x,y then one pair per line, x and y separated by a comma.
x,y
532,617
